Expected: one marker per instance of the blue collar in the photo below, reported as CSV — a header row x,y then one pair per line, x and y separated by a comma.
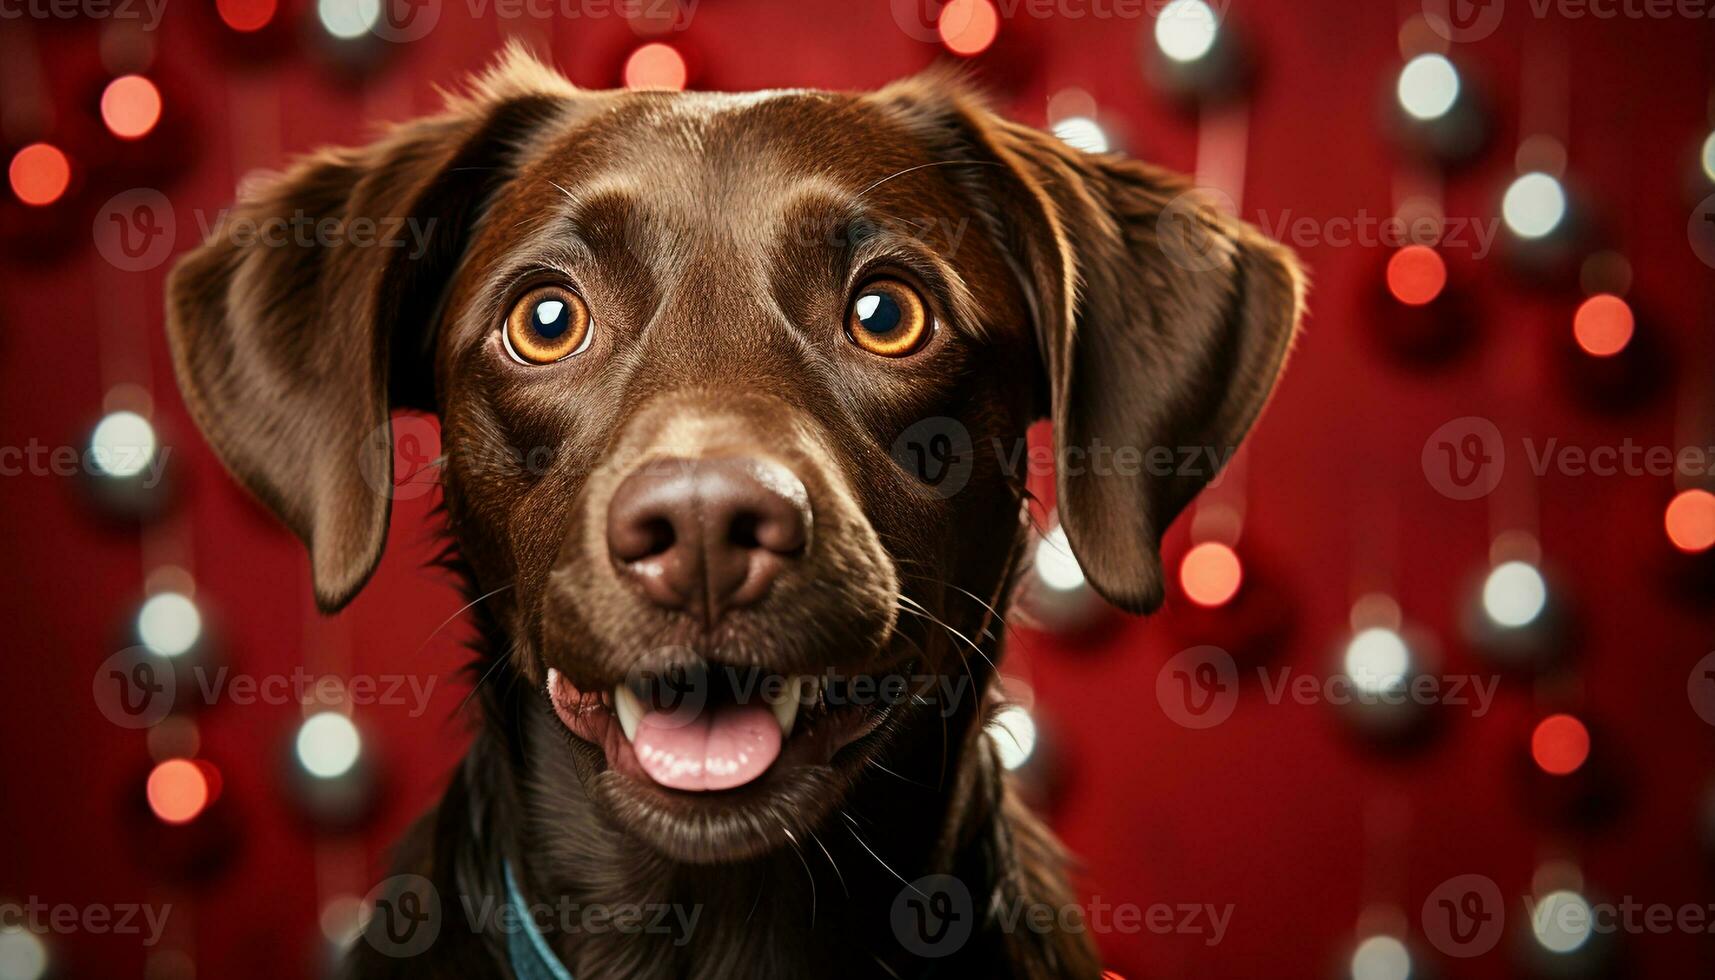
x,y
525,946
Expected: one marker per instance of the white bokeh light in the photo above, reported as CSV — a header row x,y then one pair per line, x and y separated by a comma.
x,y
122,445
328,745
1185,30
1708,156
1377,660
1514,594
1381,958
348,19
1534,205
1083,133
1562,921
169,624
22,955
1428,86
1055,565
1014,735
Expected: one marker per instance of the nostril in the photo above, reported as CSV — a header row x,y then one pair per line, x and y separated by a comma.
x,y
742,532
656,537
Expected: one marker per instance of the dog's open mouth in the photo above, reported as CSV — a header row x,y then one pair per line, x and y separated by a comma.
x,y
717,727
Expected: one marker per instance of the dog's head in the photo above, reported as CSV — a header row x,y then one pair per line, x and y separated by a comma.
x,y
702,364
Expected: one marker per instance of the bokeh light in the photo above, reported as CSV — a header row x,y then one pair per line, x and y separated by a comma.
x,y
348,20
122,445
1562,921
131,106
23,955
178,791
1211,574
968,27
1185,30
1377,660
1534,205
1690,520
1416,274
656,66
328,745
1014,735
1055,565
39,174
1514,594
1708,156
1083,133
1428,86
1603,325
1381,958
169,624
1560,744
245,16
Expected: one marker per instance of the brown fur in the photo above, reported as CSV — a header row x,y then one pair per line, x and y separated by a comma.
x,y
717,239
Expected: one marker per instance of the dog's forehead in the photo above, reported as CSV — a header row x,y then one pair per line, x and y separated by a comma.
x,y
739,162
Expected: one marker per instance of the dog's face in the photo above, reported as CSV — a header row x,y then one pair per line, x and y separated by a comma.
x,y
684,349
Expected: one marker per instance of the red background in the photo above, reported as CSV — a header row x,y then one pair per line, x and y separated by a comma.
x,y
1303,828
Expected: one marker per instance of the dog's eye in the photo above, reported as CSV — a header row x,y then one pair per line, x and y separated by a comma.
x,y
887,317
547,324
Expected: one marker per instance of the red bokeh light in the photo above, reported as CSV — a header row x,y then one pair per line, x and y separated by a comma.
x,y
40,174
179,791
131,106
1690,521
656,65
968,27
247,15
1603,325
1560,744
1211,574
1416,274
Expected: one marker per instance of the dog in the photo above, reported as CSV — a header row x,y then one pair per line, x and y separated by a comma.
x,y
678,345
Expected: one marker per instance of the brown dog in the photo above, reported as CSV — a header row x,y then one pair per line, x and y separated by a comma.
x,y
679,345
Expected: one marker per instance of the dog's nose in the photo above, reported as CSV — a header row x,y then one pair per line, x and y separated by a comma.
x,y
707,535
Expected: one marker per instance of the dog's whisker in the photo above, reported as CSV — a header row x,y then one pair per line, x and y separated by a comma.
x,y
853,831
461,611
474,688
926,166
807,872
926,614
831,862
904,779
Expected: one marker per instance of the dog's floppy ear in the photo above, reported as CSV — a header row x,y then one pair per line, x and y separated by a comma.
x,y
311,311
1162,324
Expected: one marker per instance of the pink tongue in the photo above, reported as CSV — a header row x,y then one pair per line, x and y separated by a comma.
x,y
718,749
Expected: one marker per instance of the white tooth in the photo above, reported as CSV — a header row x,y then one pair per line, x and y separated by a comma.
x,y
787,703
629,709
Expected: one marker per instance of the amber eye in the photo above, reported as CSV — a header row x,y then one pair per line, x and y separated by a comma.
x,y
547,324
887,317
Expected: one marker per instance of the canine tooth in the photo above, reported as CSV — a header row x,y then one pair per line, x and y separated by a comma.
x,y
629,709
786,705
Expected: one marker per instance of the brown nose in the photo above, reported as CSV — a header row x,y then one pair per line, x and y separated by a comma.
x,y
707,535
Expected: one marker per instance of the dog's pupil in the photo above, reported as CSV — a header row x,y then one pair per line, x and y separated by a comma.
x,y
879,313
551,318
